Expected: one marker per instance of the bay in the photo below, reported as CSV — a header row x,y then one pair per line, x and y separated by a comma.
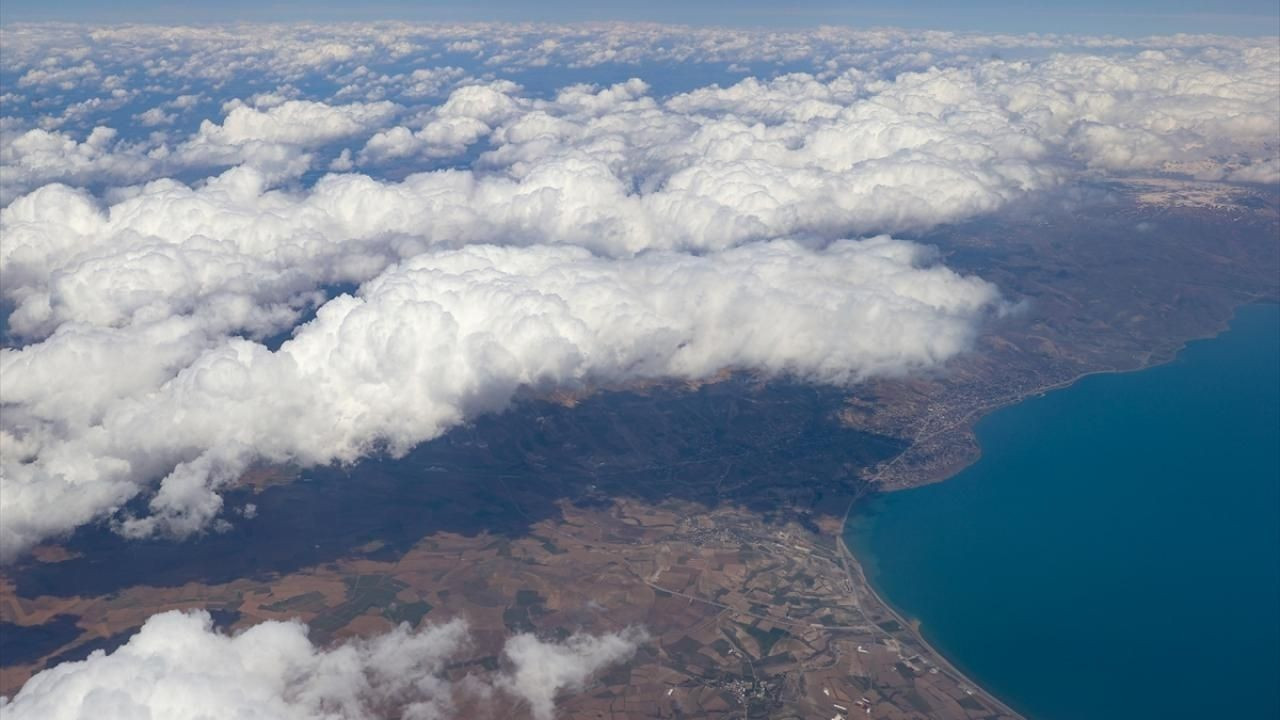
x,y
1116,551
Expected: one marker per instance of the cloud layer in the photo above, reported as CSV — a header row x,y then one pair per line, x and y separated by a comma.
x,y
1105,103
179,668
431,342
503,237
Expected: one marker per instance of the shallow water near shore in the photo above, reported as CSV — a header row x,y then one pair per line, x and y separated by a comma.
x,y
1116,551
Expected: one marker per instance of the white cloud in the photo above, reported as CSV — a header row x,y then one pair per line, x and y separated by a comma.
x,y
543,670
212,55
64,78
469,114
155,116
592,235
1264,171
185,101
854,151
420,84
432,342
35,156
178,667
1136,108
294,122
273,139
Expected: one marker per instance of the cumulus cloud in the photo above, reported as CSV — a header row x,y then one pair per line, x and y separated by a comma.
x,y
271,136
586,235
36,155
543,670
155,116
420,84
865,148
52,56
179,667
63,77
294,122
468,115
274,135
433,341
1265,171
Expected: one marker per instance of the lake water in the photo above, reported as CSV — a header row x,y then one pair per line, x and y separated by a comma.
x,y
1116,552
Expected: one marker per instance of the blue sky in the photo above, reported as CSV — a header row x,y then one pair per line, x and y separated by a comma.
x,y
1131,17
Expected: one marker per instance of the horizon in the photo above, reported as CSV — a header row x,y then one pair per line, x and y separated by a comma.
x,y
1139,18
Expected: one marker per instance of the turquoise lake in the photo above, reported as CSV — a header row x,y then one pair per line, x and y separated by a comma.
x,y
1116,551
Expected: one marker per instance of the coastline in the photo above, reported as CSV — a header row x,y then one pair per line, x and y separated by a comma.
x,y
969,420
854,568
859,577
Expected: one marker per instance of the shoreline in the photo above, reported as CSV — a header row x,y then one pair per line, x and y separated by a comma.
x,y
854,568
971,418
858,576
